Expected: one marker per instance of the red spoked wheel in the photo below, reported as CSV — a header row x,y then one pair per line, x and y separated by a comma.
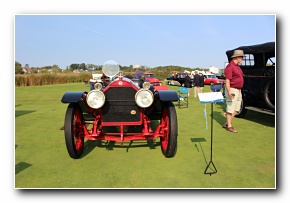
x,y
73,131
169,130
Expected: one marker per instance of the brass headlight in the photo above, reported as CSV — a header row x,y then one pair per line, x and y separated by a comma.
x,y
98,86
144,98
95,99
146,85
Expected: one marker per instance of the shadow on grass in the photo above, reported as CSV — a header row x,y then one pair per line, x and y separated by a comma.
x,y
261,118
22,112
146,143
257,117
21,166
254,116
89,145
209,165
199,140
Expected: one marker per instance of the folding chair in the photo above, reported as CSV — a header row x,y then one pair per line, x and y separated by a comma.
x,y
216,88
183,96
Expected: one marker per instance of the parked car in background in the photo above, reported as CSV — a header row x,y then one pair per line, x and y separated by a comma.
x,y
150,77
222,76
211,79
259,69
177,79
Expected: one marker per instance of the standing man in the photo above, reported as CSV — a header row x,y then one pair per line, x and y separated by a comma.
x,y
196,79
138,73
201,82
187,83
234,83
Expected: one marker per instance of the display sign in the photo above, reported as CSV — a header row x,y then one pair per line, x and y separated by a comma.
x,y
210,97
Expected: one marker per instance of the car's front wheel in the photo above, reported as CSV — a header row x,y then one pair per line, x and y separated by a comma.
x,y
169,129
73,130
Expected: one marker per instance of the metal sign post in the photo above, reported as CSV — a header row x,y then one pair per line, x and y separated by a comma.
x,y
210,98
214,170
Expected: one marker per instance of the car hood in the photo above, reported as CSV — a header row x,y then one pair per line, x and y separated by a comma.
x,y
221,80
152,80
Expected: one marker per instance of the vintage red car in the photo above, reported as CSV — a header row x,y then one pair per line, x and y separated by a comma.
x,y
150,77
211,79
123,111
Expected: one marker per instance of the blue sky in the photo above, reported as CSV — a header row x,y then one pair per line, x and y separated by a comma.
x,y
150,40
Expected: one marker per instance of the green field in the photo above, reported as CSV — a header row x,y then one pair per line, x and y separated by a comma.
x,y
246,159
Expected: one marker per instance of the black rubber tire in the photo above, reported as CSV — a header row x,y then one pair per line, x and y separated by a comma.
x,y
73,131
170,130
267,93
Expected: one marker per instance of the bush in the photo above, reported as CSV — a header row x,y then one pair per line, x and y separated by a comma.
x,y
50,78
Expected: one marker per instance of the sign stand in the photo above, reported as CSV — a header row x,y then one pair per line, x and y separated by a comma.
x,y
211,162
210,98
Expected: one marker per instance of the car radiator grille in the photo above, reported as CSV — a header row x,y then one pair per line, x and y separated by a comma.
x,y
120,105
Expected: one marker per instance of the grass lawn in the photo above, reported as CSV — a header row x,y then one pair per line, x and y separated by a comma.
x,y
243,160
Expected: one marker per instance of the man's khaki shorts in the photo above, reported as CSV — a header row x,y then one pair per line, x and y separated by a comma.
x,y
235,103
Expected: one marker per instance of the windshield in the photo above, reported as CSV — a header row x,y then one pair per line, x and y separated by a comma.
x,y
111,68
149,75
211,76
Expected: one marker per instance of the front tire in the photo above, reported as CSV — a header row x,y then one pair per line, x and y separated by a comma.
x,y
73,130
170,130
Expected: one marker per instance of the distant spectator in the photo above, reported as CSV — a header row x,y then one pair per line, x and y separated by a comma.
x,y
187,83
138,73
196,78
201,82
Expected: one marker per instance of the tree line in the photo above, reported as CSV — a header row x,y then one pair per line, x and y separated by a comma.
x,y
19,69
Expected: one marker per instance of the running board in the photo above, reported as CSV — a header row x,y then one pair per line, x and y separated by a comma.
x,y
259,110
